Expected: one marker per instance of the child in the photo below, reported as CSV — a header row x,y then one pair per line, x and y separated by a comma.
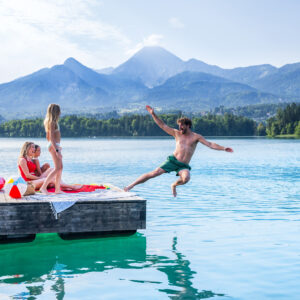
x,y
35,158
53,136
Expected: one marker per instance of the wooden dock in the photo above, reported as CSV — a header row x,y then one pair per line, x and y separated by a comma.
x,y
31,215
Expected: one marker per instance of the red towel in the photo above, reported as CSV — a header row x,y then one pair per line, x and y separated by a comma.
x,y
85,188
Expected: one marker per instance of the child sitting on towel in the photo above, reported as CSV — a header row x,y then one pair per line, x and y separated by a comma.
x,y
35,158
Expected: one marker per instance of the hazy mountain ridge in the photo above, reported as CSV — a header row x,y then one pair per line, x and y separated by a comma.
x,y
188,88
154,76
283,82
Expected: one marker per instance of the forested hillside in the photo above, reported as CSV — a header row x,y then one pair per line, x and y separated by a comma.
x,y
286,121
130,125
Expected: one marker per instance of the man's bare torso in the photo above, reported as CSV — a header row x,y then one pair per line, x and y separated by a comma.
x,y
185,146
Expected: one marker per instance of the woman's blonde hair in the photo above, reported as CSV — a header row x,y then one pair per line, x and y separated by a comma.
x,y
53,114
25,148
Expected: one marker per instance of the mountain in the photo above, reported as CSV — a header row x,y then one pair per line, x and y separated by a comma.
x,y
245,75
154,76
285,82
90,76
114,85
106,71
194,65
72,85
191,90
57,84
248,75
151,66
154,65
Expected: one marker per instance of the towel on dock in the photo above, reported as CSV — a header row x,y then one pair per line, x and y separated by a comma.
x,y
86,188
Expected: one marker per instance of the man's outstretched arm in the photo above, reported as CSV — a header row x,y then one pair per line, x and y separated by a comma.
x,y
213,145
159,122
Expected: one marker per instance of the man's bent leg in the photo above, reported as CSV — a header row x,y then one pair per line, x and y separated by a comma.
x,y
145,177
184,178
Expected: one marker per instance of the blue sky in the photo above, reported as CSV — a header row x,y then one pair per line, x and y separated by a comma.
x,y
228,33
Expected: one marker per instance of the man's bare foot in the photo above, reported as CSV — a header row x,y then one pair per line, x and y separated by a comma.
x,y
127,188
173,188
45,192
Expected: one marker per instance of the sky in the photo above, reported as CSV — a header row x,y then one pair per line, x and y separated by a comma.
x,y
35,34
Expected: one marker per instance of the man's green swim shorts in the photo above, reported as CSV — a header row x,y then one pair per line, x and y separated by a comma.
x,y
172,164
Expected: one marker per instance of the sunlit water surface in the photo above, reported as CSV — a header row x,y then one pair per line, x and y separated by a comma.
x,y
233,232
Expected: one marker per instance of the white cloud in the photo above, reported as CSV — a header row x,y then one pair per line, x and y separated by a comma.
x,y
151,40
40,33
176,23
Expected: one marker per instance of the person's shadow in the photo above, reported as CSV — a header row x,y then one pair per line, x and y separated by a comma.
x,y
50,259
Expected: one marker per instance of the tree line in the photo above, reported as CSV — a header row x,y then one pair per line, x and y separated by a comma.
x,y
130,125
286,121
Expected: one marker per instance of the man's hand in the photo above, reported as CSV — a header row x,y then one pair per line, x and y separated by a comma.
x,y
150,109
228,149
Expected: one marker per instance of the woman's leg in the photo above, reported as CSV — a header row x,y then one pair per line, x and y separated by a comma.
x,y
66,186
37,183
45,167
58,179
57,159
46,173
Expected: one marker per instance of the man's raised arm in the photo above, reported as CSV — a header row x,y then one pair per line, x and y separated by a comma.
x,y
214,146
159,122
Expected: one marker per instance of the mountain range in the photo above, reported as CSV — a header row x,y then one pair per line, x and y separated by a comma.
x,y
154,76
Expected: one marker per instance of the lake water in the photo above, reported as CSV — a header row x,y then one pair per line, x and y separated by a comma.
x,y
233,232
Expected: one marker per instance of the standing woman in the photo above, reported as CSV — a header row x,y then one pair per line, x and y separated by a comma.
x,y
53,136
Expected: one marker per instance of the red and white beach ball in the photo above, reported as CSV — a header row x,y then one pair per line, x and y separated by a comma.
x,y
2,182
15,187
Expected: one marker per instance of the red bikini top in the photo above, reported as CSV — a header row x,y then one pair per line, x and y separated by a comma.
x,y
31,168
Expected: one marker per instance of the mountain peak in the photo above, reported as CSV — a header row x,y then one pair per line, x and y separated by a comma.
x,y
153,50
151,66
77,67
71,61
154,53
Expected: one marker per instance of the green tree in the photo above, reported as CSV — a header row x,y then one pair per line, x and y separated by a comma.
x,y
261,129
297,129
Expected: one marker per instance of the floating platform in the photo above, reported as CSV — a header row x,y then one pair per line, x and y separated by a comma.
x,y
21,219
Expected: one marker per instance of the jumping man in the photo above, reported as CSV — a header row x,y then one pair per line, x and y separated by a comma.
x,y
186,142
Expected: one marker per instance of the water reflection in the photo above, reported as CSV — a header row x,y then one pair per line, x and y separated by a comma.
x,y
52,260
180,275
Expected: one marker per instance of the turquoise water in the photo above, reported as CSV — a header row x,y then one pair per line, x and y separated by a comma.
x,y
232,233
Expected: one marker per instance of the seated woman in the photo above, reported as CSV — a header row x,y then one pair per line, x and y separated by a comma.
x,y
35,158
27,169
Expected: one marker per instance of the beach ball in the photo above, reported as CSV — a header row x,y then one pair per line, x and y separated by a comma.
x,y
2,182
15,187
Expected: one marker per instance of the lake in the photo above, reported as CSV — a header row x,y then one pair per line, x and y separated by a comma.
x,y
233,232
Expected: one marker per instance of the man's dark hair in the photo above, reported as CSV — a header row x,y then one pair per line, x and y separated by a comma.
x,y
185,121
